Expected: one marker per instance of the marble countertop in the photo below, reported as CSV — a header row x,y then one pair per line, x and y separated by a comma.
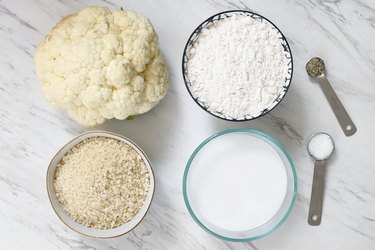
x,y
31,131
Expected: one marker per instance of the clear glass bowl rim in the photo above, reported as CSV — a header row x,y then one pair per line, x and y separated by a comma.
x,y
228,131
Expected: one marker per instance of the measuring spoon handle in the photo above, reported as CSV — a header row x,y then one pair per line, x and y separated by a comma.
x,y
342,116
316,200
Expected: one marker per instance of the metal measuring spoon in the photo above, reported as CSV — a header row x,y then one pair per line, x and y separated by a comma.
x,y
320,148
316,69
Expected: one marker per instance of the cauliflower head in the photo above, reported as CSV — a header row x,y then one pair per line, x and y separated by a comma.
x,y
101,64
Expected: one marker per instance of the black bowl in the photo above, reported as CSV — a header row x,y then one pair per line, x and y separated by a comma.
x,y
214,19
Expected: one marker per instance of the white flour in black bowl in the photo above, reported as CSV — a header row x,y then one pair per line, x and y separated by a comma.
x,y
237,67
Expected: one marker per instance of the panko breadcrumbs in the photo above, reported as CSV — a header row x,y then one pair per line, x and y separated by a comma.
x,y
102,182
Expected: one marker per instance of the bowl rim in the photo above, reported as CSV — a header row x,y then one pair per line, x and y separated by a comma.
x,y
236,130
104,133
184,72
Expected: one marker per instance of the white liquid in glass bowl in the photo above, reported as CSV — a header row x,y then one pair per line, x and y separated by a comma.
x,y
238,183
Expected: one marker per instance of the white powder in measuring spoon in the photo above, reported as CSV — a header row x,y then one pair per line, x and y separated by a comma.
x,y
237,66
321,146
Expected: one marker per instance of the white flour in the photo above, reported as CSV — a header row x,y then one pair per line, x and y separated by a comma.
x,y
237,67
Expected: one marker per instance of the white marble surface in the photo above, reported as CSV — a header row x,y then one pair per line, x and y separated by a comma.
x,y
31,131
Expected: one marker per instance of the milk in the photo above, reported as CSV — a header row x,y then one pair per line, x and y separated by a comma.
x,y
237,182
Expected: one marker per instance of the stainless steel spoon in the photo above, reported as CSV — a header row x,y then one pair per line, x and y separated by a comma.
x,y
316,69
317,190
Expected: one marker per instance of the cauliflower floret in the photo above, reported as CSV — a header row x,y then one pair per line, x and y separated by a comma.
x,y
100,64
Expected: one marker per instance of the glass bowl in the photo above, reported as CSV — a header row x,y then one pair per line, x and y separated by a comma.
x,y
213,20
193,188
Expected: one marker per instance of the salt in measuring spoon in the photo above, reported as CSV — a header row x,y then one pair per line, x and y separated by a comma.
x,y
320,148
316,69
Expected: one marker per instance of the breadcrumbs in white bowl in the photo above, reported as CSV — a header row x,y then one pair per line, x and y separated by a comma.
x,y
100,184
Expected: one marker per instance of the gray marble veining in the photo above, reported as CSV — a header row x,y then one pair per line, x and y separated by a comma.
x,y
31,131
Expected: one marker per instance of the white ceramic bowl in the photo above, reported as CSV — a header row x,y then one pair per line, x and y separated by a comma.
x,y
93,232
